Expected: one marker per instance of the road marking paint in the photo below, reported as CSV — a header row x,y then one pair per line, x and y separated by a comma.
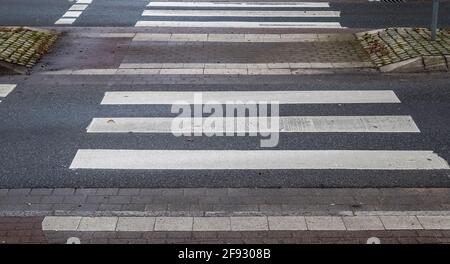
x,y
238,24
106,35
72,14
243,223
282,97
297,124
257,160
239,4
78,7
239,13
65,21
6,89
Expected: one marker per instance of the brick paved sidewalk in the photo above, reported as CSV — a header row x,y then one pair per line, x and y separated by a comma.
x,y
219,202
120,51
328,215
26,230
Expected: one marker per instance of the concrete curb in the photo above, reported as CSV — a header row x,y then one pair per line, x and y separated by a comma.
x,y
420,64
13,68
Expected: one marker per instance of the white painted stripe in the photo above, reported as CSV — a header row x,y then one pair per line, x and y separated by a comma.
x,y
65,21
256,160
297,124
282,97
106,35
239,4
242,223
5,89
238,24
239,13
72,14
84,1
78,7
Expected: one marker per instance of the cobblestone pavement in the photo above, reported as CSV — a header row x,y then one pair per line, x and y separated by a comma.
x,y
24,46
399,44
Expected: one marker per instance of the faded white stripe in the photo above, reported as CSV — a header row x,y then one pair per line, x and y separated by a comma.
x,y
78,7
239,4
240,13
282,97
256,160
6,89
298,124
72,14
65,21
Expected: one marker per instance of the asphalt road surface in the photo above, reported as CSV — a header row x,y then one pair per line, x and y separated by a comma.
x,y
44,123
45,117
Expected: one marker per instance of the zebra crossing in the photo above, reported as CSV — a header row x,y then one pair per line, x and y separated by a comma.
x,y
245,15
6,89
268,159
240,15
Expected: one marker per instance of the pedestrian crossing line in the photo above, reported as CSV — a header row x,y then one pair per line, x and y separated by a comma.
x,y
78,7
257,160
65,21
239,13
240,4
238,24
73,13
6,89
297,124
282,97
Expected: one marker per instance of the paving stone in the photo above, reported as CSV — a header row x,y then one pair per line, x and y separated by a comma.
x,y
90,191
98,224
400,222
363,223
18,192
435,63
129,191
41,191
75,199
107,191
287,223
173,224
435,222
133,207
119,199
324,223
135,224
63,191
52,199
249,223
61,223
212,224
